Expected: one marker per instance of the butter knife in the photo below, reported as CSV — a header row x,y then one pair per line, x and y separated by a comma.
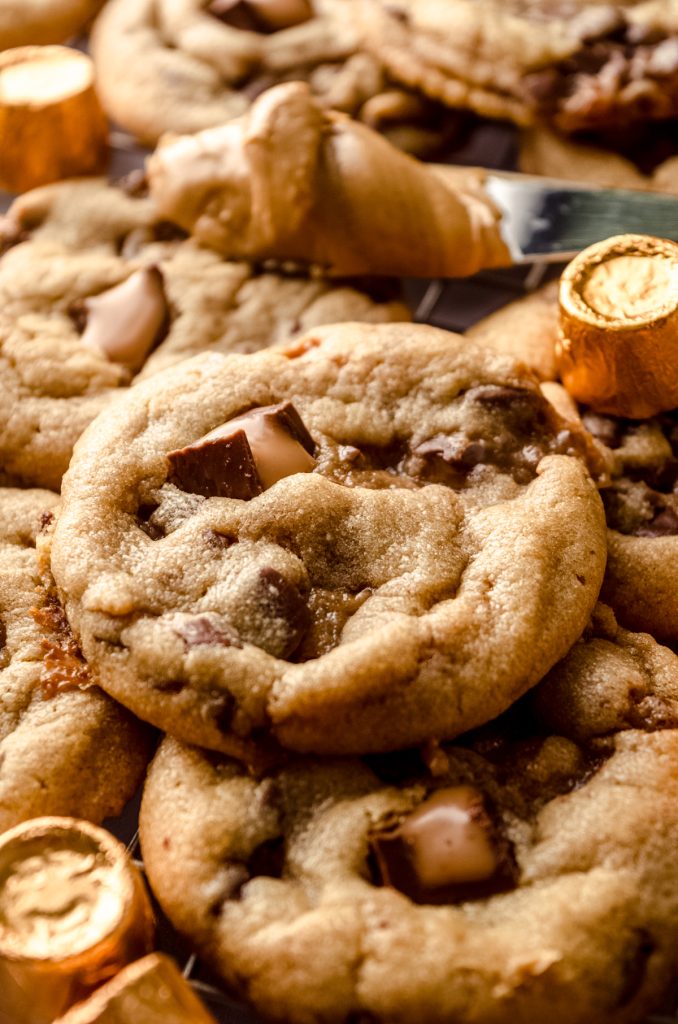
x,y
549,221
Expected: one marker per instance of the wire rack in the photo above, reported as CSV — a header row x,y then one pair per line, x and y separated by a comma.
x,y
454,305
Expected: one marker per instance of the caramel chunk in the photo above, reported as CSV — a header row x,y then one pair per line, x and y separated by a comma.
x,y
246,455
447,850
127,321
261,15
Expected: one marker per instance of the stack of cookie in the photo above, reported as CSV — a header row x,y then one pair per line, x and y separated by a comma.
x,y
409,768
592,85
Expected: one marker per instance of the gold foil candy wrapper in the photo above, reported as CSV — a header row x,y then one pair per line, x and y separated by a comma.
x,y
73,912
151,991
618,346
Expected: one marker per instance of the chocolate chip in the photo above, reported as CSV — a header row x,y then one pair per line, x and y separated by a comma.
x,y
235,13
396,12
664,524
281,600
246,455
456,450
11,234
125,322
634,968
261,15
3,635
268,859
77,311
446,851
606,429
134,184
218,708
201,630
169,685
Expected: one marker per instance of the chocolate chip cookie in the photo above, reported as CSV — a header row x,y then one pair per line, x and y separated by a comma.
x,y
373,536
651,162
576,65
166,66
28,22
79,324
641,496
65,747
528,874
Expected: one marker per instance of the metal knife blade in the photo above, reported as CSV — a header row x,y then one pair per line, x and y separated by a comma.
x,y
549,221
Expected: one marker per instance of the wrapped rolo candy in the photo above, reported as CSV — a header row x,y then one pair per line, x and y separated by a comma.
x,y
51,123
73,912
618,345
150,991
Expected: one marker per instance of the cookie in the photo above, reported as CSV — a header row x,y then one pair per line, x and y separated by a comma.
x,y
78,325
525,329
28,22
163,66
641,497
65,747
572,64
332,543
543,152
529,874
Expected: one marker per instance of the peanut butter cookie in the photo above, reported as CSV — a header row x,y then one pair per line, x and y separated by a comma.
x,y
181,67
373,536
65,747
576,65
124,296
528,874
28,22
641,496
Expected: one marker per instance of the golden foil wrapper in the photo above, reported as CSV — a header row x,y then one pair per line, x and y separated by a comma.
x,y
151,991
73,912
618,347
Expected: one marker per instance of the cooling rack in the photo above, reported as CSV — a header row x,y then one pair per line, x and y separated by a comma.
x,y
453,305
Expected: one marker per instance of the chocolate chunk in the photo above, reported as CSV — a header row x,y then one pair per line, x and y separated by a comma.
x,y
202,631
634,971
664,524
216,467
246,455
606,429
261,15
456,450
11,234
3,635
125,322
134,184
281,600
268,859
218,708
448,850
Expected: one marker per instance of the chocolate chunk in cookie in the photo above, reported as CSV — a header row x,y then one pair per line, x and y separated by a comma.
x,y
445,851
246,455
